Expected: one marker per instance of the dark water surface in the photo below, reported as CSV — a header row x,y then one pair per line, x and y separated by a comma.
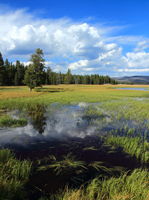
x,y
62,122
60,130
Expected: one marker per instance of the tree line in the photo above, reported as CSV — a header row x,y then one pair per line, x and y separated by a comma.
x,y
37,74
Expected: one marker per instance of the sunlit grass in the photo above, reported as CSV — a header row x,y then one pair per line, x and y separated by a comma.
x,y
8,121
134,186
21,96
132,146
117,104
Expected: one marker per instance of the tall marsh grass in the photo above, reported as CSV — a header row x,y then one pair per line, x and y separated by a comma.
x,y
133,146
134,186
14,174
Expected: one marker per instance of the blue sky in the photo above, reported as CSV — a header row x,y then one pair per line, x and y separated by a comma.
x,y
88,36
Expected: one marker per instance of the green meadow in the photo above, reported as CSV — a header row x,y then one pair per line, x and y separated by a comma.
x,y
111,165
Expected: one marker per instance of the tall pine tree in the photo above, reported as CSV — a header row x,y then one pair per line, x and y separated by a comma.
x,y
2,70
34,73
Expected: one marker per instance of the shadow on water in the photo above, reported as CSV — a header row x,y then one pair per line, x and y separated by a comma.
x,y
88,150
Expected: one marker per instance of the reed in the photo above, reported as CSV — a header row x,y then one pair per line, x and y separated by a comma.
x,y
14,174
131,145
127,187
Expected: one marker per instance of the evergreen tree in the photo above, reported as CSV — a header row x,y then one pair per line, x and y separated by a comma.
x,y
68,77
30,77
34,73
19,73
2,70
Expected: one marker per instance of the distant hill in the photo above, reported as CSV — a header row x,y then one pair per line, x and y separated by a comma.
x,y
133,79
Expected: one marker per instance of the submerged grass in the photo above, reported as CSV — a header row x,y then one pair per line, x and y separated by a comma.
x,y
68,164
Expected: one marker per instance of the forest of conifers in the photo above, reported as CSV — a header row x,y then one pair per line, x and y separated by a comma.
x,y
12,74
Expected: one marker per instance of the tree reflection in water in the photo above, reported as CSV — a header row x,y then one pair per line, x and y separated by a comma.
x,y
37,116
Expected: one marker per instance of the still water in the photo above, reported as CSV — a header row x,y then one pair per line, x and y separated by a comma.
x,y
61,122
134,88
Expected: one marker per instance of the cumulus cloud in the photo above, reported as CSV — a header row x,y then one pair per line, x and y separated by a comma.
x,y
110,58
21,34
137,59
82,47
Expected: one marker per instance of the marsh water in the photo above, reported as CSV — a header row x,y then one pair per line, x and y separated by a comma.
x,y
55,122
59,130
59,124
133,88
62,122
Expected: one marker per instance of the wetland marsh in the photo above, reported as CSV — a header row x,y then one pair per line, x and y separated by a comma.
x,y
74,141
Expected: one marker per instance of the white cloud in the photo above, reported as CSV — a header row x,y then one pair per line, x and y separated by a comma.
x,y
133,70
21,34
142,45
78,65
109,59
80,46
137,59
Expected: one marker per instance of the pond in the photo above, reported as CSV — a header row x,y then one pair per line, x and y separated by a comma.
x,y
57,137
133,88
61,122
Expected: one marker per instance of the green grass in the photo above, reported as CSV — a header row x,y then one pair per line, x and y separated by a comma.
x,y
68,164
116,105
134,186
70,94
7,121
14,174
132,146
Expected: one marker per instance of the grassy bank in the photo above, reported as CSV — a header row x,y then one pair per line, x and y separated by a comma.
x,y
12,97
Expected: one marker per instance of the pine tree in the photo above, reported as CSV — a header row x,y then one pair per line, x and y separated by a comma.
x,y
68,77
34,73
2,70
19,73
30,77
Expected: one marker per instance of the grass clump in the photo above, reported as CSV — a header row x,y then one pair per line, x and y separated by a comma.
x,y
127,187
7,121
14,174
68,164
132,146
93,112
